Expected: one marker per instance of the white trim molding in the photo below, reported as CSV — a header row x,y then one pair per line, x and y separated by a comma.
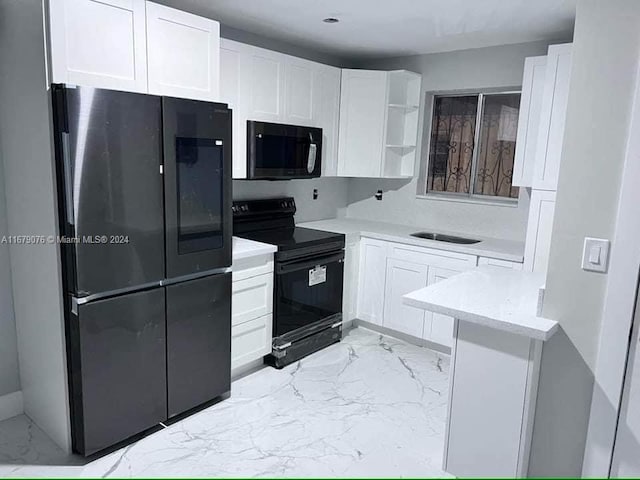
x,y
618,312
11,405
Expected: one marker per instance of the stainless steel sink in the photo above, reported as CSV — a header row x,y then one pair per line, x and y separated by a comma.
x,y
441,237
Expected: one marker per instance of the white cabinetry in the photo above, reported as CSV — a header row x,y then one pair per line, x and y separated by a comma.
x,y
350,286
135,46
552,117
378,123
499,263
390,270
268,86
533,83
183,54
438,328
251,309
99,43
373,266
403,277
539,229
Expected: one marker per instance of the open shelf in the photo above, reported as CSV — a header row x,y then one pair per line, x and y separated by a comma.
x,y
402,106
400,146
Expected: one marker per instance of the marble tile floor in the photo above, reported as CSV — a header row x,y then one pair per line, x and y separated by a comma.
x,y
370,406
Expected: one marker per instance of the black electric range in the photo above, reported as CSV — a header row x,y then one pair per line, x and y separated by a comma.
x,y
308,277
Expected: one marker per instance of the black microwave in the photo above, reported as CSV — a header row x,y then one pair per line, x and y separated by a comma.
x,y
280,152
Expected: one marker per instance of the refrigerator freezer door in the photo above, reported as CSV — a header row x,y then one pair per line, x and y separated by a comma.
x,y
109,152
198,341
118,369
197,181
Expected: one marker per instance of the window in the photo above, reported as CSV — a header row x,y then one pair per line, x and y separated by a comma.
x,y
472,145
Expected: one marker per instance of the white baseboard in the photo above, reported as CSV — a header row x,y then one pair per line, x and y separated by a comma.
x,y
11,405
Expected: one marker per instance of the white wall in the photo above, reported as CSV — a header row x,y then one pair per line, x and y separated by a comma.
x,y
603,79
26,152
481,68
9,378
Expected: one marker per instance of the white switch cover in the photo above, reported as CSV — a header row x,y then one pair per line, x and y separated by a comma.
x,y
595,254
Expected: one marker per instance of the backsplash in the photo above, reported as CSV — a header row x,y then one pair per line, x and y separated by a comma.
x,y
331,201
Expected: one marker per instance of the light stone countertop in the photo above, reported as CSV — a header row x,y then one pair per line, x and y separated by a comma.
x,y
243,248
500,249
495,297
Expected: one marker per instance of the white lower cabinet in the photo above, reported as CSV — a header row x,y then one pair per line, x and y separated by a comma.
x,y
371,284
350,284
499,263
251,310
438,328
390,270
403,277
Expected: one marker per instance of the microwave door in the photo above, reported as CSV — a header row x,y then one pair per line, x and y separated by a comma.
x,y
197,180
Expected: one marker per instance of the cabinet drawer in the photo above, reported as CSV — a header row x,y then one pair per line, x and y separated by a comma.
x,y
499,263
252,267
251,298
250,341
432,257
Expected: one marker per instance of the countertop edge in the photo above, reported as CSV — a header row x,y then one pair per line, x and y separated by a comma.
x,y
492,322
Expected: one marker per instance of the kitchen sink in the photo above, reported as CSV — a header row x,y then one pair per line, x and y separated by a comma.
x,y
441,237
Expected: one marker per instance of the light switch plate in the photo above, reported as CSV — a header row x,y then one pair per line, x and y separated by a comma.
x,y
595,254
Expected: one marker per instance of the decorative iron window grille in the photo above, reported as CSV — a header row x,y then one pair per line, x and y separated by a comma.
x,y
472,144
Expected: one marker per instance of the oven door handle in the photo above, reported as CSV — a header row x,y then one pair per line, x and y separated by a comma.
x,y
285,268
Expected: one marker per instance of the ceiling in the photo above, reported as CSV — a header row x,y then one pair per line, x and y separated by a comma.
x,y
381,28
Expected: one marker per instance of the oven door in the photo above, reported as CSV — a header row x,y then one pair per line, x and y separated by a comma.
x,y
197,186
307,292
277,151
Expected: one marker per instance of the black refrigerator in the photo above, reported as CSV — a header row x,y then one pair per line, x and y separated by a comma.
x,y
144,198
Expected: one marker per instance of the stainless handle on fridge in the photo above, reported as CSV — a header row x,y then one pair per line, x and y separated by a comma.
x,y
313,151
68,178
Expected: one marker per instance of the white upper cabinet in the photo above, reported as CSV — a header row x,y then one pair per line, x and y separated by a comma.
x,y
183,54
363,104
268,86
99,43
533,82
552,117
327,107
379,114
299,84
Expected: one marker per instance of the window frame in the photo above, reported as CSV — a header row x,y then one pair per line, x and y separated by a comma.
x,y
423,176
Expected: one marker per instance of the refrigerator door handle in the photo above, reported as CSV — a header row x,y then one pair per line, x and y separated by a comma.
x,y
68,178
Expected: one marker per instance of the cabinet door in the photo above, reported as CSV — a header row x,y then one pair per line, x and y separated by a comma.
x,y
403,277
266,86
539,229
99,43
251,340
552,117
438,327
350,288
529,120
198,341
373,262
499,263
299,84
184,54
363,100
235,86
327,99
252,298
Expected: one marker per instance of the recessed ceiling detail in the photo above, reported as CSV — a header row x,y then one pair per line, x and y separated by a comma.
x,y
392,28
